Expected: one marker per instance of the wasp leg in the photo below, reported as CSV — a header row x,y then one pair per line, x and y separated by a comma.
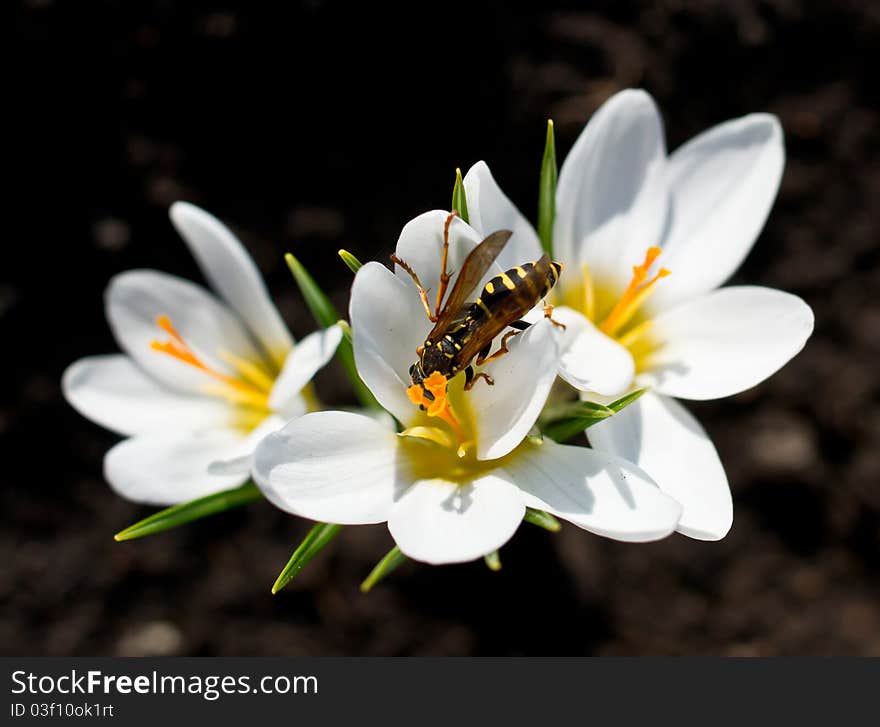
x,y
520,325
444,276
423,294
481,357
470,378
548,314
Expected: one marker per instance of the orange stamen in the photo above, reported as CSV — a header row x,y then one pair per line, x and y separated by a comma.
x,y
636,293
436,384
178,348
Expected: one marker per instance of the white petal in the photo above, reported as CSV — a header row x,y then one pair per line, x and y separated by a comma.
x,y
723,183
504,413
238,466
611,202
115,393
308,357
662,438
136,298
388,324
232,273
444,522
725,342
590,360
595,490
331,466
167,468
489,210
421,247
242,465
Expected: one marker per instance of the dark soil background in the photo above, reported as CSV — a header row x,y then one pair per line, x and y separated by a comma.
x,y
320,126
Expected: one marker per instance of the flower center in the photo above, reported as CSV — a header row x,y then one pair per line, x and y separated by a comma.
x,y
438,405
250,386
637,292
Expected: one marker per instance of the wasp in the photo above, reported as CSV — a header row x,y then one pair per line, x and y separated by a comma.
x,y
466,329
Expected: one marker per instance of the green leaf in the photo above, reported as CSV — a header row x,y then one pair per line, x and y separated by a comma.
x,y
319,304
625,401
172,517
493,561
393,558
459,199
561,423
317,539
346,329
542,520
353,263
547,191
326,315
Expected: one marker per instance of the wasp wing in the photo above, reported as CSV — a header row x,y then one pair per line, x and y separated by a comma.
x,y
474,267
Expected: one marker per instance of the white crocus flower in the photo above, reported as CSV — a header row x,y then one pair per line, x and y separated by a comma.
x,y
454,485
647,240
204,378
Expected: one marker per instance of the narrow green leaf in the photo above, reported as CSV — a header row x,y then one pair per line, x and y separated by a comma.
x,y
353,263
566,421
547,191
575,409
172,517
393,558
317,539
346,329
564,429
625,401
319,304
326,315
459,199
493,561
542,520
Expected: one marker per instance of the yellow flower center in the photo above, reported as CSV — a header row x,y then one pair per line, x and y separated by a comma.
x,y
435,451
249,387
615,318
438,405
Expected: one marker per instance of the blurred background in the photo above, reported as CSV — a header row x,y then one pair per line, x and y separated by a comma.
x,y
313,126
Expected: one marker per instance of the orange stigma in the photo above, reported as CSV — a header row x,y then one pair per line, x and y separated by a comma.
x,y
436,384
251,387
636,293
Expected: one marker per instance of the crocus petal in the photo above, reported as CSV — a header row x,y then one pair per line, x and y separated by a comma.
x,y
238,466
243,464
595,490
489,210
662,438
590,360
723,183
420,246
507,411
308,357
114,392
725,342
232,273
331,466
136,298
168,468
446,522
611,201
388,323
